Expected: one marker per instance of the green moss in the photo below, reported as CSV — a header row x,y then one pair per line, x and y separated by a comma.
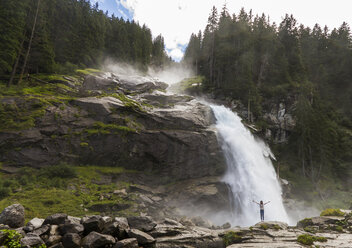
x,y
307,239
309,229
87,71
305,222
102,128
84,144
63,188
264,226
232,237
332,212
276,227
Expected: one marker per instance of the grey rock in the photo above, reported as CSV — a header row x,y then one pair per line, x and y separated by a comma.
x,y
42,230
13,216
53,239
95,239
142,237
127,243
31,241
74,220
98,83
71,240
93,223
35,223
99,106
71,228
56,219
145,224
58,245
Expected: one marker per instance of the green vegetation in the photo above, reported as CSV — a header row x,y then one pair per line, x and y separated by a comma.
x,y
13,238
307,239
276,227
74,190
102,128
264,226
87,71
246,58
63,41
232,237
305,222
191,85
332,212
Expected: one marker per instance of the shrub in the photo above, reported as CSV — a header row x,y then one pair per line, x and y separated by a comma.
x,y
332,212
307,239
59,171
264,226
12,238
232,238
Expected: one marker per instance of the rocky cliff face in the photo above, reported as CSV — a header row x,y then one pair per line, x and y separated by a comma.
x,y
130,122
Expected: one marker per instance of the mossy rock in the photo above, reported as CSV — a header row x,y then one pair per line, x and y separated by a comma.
x,y
232,237
307,239
305,222
332,212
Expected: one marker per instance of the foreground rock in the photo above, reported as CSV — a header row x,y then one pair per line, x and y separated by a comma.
x,y
13,216
60,230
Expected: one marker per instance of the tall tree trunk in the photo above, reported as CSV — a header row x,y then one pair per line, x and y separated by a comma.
x,y
14,69
30,43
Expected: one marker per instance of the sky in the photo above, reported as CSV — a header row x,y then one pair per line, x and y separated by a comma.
x,y
176,20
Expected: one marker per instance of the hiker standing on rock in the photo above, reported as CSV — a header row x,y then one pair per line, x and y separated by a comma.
x,y
261,206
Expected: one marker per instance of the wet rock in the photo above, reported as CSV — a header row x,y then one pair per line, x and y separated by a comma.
x,y
95,239
99,106
13,216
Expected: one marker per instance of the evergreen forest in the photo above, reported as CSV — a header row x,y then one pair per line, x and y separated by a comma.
x,y
248,58
59,36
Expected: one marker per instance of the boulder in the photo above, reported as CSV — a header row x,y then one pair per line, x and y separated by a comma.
x,y
31,240
53,239
145,224
71,240
127,243
35,223
41,230
13,216
99,106
93,223
55,219
71,228
95,240
98,83
142,237
58,245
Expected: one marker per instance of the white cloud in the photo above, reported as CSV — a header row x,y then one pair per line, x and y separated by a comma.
x,y
177,19
176,54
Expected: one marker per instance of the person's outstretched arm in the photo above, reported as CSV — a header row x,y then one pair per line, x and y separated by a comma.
x,y
256,202
266,202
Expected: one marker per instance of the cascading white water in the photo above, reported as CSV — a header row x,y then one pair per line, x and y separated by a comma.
x,y
250,173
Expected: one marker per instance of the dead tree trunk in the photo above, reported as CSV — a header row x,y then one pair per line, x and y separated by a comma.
x,y
30,43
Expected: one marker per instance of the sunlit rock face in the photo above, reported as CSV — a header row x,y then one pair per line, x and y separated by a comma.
x,y
131,122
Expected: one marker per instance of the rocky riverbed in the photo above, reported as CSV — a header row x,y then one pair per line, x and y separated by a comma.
x,y
61,230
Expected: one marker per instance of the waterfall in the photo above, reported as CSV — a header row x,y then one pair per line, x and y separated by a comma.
x,y
250,174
